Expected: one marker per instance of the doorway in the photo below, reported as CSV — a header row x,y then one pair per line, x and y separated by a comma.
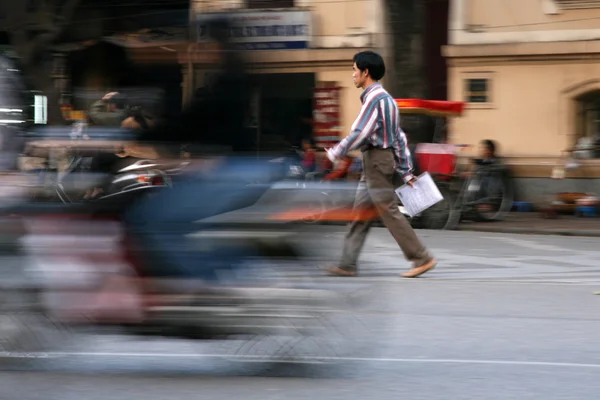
x,y
284,104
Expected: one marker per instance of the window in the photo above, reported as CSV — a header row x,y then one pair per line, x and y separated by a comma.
x,y
589,115
40,109
588,125
257,4
577,4
476,90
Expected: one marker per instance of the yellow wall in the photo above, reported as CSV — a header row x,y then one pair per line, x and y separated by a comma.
x,y
520,21
528,15
539,59
532,107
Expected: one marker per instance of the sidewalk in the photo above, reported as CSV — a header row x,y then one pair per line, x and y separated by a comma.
x,y
533,223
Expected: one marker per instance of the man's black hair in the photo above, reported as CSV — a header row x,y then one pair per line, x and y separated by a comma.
x,y
371,61
491,146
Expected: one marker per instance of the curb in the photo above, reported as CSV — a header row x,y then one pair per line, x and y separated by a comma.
x,y
530,231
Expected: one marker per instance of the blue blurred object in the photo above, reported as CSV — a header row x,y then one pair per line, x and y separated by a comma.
x,y
586,211
48,132
523,206
164,222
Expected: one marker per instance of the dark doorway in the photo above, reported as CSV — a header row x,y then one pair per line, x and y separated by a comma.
x,y
284,111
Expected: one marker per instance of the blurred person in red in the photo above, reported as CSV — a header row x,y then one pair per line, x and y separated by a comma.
x,y
309,162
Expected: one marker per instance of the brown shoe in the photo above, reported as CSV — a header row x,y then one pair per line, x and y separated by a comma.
x,y
337,271
420,270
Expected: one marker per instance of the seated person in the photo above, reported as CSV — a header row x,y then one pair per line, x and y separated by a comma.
x,y
487,153
487,157
487,166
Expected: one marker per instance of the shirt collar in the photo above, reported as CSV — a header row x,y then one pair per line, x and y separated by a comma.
x,y
368,90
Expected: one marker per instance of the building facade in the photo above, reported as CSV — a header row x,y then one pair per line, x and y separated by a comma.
x,y
300,54
530,73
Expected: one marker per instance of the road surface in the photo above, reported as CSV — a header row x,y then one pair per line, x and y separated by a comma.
x,y
502,317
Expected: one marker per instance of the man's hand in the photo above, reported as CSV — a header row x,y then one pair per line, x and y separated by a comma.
x,y
411,181
108,96
330,155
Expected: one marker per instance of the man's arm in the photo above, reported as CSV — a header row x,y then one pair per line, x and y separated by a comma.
x,y
364,125
404,164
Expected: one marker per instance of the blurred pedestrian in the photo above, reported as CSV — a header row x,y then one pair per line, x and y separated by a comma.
x,y
111,110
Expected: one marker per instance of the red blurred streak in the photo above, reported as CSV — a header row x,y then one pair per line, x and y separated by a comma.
x,y
344,214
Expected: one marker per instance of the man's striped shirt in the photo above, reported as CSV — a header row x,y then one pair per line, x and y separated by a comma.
x,y
378,125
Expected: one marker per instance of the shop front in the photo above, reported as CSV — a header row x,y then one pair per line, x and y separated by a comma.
x,y
300,91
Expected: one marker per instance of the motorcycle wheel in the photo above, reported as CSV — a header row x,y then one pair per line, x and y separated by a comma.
x,y
26,333
331,327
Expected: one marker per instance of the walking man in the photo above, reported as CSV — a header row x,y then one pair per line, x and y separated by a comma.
x,y
377,133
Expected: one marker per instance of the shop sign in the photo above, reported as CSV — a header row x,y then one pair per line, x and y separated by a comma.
x,y
326,116
263,30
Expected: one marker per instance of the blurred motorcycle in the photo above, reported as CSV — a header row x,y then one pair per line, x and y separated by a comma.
x,y
88,269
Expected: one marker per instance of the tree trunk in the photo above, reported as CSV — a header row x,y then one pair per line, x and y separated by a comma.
x,y
406,19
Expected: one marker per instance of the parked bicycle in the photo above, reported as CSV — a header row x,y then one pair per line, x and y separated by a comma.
x,y
482,193
486,193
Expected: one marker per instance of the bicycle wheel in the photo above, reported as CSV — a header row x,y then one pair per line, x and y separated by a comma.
x,y
492,196
444,215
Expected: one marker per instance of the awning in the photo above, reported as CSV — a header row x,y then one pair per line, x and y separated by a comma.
x,y
431,107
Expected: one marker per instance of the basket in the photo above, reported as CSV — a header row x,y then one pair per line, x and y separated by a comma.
x,y
436,158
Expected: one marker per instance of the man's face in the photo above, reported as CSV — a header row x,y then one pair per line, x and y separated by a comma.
x,y
484,151
112,107
359,77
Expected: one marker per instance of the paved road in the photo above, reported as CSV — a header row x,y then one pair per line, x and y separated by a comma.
x,y
503,317
468,256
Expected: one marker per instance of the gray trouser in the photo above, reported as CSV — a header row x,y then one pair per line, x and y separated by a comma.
x,y
376,189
